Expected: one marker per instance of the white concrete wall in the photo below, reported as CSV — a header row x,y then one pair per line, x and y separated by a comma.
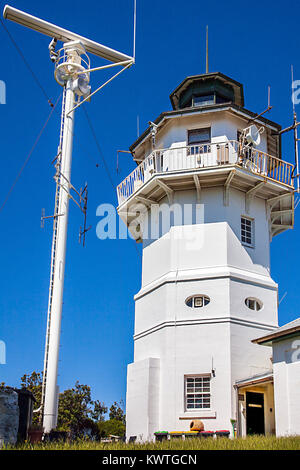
x,y
205,245
199,256
286,364
193,341
223,126
217,336
192,350
142,401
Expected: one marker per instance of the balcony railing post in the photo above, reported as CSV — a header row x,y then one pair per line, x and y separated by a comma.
x,y
205,155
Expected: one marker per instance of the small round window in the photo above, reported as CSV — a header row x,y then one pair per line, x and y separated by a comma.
x,y
197,301
253,304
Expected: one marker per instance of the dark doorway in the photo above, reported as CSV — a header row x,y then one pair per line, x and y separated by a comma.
x,y
255,416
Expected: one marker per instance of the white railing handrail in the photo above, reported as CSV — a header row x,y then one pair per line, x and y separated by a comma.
x,y
204,155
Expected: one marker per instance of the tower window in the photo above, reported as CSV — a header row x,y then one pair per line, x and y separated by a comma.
x,y
197,140
199,136
253,304
197,392
203,100
197,301
247,231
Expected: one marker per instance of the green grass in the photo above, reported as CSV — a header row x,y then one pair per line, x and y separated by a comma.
x,y
248,443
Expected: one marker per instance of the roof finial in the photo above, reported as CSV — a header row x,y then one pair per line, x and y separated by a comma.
x,y
206,71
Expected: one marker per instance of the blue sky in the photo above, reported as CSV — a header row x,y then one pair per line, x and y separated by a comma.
x,y
255,46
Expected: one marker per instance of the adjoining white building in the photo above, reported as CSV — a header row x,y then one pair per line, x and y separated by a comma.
x,y
285,342
208,205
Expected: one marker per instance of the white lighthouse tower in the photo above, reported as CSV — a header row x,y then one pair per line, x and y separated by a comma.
x,y
210,191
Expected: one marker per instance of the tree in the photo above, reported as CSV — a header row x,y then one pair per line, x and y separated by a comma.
x,y
77,412
116,412
75,408
33,383
112,426
99,411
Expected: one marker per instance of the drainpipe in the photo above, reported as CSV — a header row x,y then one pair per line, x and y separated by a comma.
x,y
237,411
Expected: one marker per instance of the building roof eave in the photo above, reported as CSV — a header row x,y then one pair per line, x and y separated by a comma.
x,y
267,340
255,380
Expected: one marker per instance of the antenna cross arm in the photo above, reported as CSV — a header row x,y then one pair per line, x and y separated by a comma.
x,y
125,62
62,34
100,87
260,114
290,128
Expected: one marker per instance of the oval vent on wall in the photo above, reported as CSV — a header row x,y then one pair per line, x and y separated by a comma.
x,y
197,301
253,304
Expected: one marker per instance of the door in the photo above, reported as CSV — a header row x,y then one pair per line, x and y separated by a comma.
x,y
255,416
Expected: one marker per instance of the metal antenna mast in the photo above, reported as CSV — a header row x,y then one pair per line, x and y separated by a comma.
x,y
296,140
72,71
58,256
206,68
294,127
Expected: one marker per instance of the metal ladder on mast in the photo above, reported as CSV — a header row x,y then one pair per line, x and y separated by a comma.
x,y
53,251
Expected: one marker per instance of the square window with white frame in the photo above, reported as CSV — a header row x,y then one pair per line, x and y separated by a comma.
x,y
247,231
197,392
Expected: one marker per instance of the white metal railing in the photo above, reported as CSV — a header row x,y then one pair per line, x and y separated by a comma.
x,y
204,156
261,163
